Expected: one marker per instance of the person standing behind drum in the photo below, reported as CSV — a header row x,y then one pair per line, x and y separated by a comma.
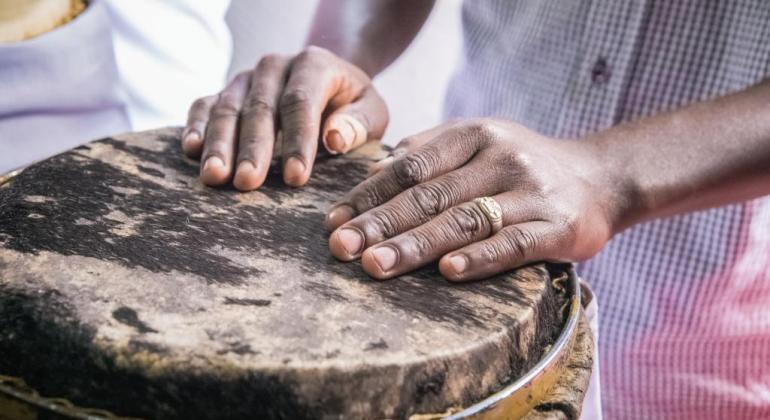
x,y
659,192
113,66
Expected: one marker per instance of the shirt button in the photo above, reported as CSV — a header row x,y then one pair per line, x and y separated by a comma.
x,y
600,73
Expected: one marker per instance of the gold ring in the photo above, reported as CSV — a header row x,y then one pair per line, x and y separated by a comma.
x,y
491,208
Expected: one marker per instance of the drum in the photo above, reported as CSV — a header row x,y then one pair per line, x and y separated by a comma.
x,y
128,286
24,19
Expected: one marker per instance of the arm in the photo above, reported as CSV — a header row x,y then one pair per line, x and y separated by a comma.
x,y
560,200
370,34
705,155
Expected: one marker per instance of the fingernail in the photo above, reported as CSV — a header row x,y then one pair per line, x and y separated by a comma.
x,y
336,142
459,263
293,170
385,257
245,176
190,140
246,167
339,215
352,240
192,136
213,162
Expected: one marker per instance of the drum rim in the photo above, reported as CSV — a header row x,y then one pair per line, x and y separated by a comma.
x,y
560,348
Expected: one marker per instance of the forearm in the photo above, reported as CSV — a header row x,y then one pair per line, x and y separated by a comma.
x,y
704,155
370,34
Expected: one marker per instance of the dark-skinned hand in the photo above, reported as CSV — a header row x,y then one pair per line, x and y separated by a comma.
x,y
416,206
311,97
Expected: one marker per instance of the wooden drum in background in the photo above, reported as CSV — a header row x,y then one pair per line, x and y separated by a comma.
x,y
128,286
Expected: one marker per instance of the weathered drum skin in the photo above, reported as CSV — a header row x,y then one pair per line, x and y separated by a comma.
x,y
127,285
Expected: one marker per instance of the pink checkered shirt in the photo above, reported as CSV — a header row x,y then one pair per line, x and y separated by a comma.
x,y
684,301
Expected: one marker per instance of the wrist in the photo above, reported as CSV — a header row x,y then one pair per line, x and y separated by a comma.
x,y
615,178
362,61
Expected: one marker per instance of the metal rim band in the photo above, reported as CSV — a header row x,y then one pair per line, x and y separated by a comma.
x,y
5,178
512,401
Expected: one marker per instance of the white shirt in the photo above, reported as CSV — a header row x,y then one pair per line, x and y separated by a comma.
x,y
119,66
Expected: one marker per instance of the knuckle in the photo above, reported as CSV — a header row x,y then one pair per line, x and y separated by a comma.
x,y
492,252
467,221
227,105
569,223
363,118
515,162
293,100
483,129
422,242
269,61
411,170
258,105
516,243
386,223
200,105
314,51
248,148
366,199
309,55
241,77
379,102
431,199
510,172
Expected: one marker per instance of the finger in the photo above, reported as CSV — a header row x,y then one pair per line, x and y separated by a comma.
x,y
257,127
197,118
352,125
513,246
414,207
407,145
453,229
312,82
222,131
444,153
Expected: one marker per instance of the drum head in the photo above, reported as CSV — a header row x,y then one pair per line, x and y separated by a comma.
x,y
126,284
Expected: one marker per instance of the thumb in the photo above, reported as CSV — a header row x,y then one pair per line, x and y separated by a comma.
x,y
352,125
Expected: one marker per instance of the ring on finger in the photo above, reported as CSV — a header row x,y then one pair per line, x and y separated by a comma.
x,y
491,208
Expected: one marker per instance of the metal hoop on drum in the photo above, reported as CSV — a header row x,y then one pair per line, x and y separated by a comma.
x,y
514,400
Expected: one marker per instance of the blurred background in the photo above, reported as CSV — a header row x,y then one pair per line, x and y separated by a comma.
x,y
413,86
121,67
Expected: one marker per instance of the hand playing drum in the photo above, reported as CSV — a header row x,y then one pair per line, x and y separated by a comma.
x,y
482,197
234,132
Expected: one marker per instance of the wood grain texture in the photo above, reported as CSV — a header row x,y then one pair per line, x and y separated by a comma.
x,y
125,284
565,398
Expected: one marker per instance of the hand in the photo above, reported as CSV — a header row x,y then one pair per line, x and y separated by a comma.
x,y
309,96
558,203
